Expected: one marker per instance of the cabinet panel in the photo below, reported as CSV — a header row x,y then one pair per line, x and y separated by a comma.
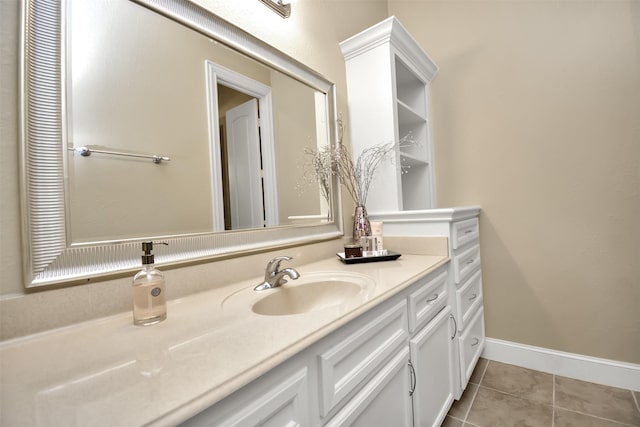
x,y
427,301
359,354
469,298
432,355
471,345
466,262
274,403
384,401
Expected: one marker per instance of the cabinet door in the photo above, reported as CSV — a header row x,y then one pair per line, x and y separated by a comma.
x,y
383,401
433,357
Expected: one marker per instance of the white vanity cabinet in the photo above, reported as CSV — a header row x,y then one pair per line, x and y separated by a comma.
x,y
393,365
464,284
388,76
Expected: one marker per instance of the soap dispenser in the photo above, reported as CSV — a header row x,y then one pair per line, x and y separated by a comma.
x,y
149,296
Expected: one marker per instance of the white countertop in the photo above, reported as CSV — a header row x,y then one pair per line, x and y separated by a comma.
x,y
109,372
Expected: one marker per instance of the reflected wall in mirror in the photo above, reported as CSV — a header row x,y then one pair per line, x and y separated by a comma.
x,y
139,82
164,78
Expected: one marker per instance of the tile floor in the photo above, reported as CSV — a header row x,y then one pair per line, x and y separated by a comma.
x,y
505,395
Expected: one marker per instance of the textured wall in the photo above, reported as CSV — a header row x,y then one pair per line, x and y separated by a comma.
x,y
537,119
10,246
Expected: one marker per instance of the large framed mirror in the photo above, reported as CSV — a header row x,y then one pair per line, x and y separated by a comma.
x,y
158,120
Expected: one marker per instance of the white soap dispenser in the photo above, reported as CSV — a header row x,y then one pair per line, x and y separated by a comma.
x,y
149,296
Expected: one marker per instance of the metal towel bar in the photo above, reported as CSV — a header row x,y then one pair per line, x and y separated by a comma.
x,y
86,151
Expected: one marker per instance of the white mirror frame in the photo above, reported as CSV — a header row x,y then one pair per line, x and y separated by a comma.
x,y
48,257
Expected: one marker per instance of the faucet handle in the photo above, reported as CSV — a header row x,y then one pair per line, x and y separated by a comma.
x,y
274,264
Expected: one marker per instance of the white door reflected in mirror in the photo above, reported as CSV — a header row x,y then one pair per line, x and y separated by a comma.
x,y
245,169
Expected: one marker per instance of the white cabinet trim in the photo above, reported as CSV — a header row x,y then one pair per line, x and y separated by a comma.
x,y
390,30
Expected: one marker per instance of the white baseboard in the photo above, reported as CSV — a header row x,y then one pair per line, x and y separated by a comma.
x,y
585,368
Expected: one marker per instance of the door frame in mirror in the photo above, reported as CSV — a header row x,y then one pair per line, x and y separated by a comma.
x,y
48,258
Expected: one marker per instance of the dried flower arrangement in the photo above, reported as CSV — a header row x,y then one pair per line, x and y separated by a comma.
x,y
356,177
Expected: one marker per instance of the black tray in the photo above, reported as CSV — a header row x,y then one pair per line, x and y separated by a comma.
x,y
390,256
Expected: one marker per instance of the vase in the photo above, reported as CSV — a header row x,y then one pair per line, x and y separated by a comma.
x,y
361,225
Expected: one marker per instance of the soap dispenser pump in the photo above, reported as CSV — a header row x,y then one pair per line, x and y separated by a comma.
x,y
149,296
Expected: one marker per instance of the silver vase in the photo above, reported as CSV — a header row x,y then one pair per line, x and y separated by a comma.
x,y
361,225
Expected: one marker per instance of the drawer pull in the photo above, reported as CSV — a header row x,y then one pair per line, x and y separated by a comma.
x,y
468,231
472,297
470,261
476,341
433,299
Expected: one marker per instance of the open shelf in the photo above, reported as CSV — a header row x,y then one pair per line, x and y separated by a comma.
x,y
410,90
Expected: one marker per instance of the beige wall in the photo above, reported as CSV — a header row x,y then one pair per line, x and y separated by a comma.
x,y
537,119
121,54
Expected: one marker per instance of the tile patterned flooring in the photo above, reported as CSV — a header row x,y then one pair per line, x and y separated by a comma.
x,y
501,395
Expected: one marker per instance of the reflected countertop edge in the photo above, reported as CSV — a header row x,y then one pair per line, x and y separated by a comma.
x,y
110,372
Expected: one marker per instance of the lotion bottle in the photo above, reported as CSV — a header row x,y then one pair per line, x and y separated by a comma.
x,y
149,296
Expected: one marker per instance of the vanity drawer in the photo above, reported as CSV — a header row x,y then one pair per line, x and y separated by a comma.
x,y
358,354
471,345
469,298
465,263
427,301
464,232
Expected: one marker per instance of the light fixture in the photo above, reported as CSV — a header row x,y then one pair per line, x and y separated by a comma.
x,y
279,7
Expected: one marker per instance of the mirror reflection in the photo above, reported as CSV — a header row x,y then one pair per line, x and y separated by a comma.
x,y
234,130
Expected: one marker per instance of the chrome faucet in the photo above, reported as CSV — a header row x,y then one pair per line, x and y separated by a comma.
x,y
274,277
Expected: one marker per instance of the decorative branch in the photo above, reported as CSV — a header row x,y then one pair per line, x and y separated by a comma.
x,y
356,177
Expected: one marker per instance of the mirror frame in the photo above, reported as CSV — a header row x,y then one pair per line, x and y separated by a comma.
x,y
48,257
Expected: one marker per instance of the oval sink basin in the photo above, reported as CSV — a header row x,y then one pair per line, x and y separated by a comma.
x,y
305,298
311,292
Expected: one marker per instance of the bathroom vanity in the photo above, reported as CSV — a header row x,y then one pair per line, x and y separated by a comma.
x,y
216,362
358,375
